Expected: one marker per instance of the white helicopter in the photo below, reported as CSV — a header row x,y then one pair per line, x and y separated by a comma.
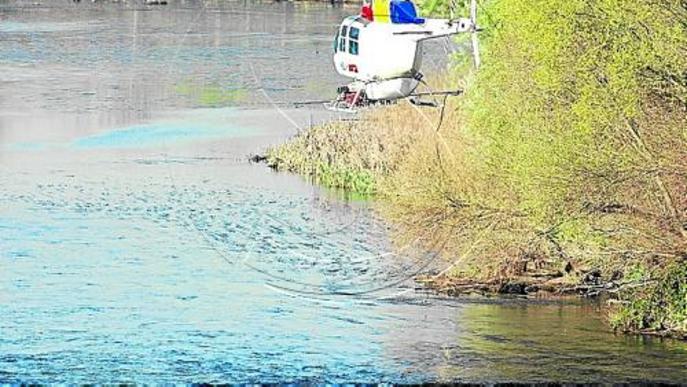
x,y
381,50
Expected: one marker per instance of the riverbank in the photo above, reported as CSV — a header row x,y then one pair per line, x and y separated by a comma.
x,y
487,252
571,185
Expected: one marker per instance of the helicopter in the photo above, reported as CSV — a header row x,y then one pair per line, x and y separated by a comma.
x,y
381,50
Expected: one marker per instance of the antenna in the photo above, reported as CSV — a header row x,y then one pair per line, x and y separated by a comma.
x,y
474,30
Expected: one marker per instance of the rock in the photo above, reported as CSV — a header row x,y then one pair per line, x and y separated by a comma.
x,y
513,288
531,289
568,267
617,275
592,277
257,159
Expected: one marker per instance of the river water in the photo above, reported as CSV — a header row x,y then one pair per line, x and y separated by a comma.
x,y
138,244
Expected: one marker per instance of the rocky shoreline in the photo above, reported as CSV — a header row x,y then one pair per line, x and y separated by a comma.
x,y
551,288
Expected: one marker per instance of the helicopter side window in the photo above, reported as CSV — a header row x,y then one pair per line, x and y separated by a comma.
x,y
336,42
353,47
354,33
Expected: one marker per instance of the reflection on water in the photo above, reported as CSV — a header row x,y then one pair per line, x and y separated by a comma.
x,y
138,244
557,342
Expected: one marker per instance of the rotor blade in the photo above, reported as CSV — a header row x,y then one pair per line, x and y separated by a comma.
x,y
475,49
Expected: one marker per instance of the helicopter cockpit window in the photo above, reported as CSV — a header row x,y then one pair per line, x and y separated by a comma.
x,y
353,34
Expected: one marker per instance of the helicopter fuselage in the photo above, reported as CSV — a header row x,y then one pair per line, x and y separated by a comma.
x,y
385,58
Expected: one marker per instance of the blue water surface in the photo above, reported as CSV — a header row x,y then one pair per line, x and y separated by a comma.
x,y
139,244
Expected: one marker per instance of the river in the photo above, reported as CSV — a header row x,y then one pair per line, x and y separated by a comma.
x,y
139,244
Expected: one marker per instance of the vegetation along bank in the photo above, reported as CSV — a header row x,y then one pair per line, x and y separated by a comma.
x,y
563,167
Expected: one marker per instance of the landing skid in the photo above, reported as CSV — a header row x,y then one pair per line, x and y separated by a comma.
x,y
344,107
353,102
339,107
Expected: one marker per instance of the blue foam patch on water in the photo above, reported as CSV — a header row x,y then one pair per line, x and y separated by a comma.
x,y
153,134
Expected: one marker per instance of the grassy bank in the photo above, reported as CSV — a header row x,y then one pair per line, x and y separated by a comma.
x,y
354,155
564,162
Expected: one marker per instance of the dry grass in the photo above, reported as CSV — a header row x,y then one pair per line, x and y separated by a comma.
x,y
357,155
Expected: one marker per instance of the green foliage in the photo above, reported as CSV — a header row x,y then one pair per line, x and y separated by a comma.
x,y
636,273
355,180
441,8
576,129
561,81
576,123
317,154
659,307
358,181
